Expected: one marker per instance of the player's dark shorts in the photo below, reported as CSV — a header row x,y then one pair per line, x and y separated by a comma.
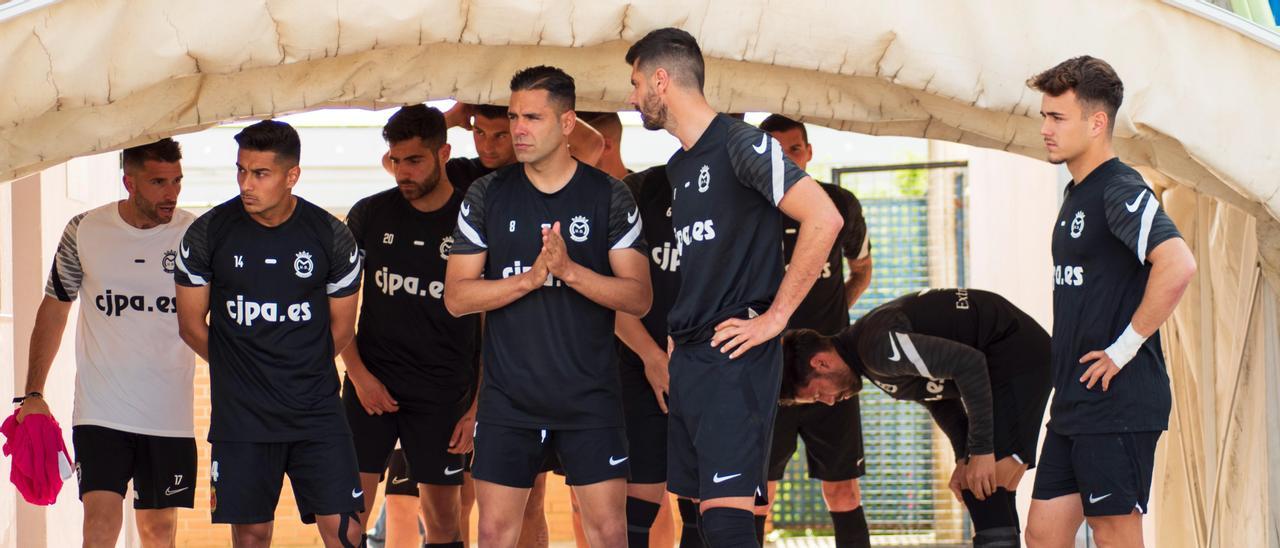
x,y
646,426
1017,412
514,456
163,469
832,437
398,480
1111,472
722,415
424,436
247,477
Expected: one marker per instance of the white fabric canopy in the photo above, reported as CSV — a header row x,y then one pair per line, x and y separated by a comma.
x,y
1200,114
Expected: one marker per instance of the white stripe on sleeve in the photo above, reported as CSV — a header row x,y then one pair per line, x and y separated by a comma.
x,y
1144,233
469,232
909,349
194,278
631,235
777,168
346,280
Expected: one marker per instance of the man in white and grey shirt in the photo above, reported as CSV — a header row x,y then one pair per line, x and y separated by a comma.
x,y
132,418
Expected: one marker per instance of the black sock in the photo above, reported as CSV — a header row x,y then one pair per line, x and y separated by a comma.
x,y
851,529
640,516
760,529
690,535
729,528
997,512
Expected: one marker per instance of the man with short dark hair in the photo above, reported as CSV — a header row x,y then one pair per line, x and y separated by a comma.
x,y
729,181
832,434
132,418
491,131
547,248
277,277
973,359
411,372
1120,268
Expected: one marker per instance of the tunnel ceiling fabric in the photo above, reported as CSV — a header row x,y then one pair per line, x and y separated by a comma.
x,y
89,76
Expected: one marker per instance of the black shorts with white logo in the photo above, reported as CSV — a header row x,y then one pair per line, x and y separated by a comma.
x,y
163,469
646,426
722,414
1017,412
246,478
424,436
399,481
514,456
1111,472
832,437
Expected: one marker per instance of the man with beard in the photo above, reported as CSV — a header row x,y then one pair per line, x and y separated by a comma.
x,y
548,248
973,359
132,418
729,181
411,371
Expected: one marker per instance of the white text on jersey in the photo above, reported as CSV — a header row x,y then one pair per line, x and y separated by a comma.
x,y
390,282
246,312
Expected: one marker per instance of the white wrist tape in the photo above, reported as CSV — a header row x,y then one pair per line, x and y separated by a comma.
x,y
1125,347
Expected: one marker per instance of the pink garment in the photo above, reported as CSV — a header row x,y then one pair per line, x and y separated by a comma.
x,y
40,458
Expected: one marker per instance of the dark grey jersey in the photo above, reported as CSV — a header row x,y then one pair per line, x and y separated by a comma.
x,y
1108,224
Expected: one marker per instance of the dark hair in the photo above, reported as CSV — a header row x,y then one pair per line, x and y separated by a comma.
x,y
779,123
421,121
607,123
798,349
672,49
165,150
1096,84
557,83
492,112
272,136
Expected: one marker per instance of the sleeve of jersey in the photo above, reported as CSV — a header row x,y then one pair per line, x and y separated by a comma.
x,y
937,358
344,262
1135,216
759,163
854,237
355,223
67,273
950,418
194,267
469,237
625,225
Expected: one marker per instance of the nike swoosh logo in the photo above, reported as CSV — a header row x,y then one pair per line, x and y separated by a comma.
x,y
896,356
615,462
860,461
169,491
1096,500
356,493
721,479
355,254
764,144
450,472
1133,207
186,251
631,217
398,481
466,210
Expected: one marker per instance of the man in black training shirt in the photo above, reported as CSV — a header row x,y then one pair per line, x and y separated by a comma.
x,y
491,131
728,182
549,248
1120,268
411,373
973,359
832,434
277,277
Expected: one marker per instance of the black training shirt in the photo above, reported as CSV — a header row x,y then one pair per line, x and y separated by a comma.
x,y
271,353
407,339
726,190
1108,224
549,357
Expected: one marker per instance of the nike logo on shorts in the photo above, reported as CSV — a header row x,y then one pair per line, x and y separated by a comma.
x,y
615,462
169,491
1093,500
355,493
450,472
721,479
398,481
